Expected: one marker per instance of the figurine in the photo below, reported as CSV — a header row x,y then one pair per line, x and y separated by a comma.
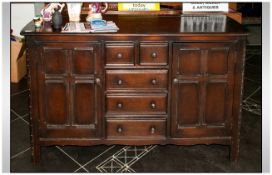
x,y
48,10
38,20
95,10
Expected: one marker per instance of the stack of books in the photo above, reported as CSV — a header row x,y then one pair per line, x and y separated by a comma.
x,y
103,26
76,27
94,26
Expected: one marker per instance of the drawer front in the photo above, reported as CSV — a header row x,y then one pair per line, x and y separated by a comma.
x,y
120,54
153,54
136,79
138,104
136,128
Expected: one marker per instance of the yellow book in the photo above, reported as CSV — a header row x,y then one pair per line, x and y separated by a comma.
x,y
138,6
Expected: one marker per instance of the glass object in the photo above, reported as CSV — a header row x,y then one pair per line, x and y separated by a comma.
x,y
74,10
204,23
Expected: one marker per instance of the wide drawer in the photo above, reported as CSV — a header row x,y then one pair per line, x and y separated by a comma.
x,y
136,104
136,128
153,54
119,54
136,79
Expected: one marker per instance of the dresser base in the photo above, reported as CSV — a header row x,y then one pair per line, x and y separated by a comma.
x,y
136,142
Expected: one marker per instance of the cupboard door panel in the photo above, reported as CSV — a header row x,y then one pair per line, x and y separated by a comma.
x,y
55,103
195,59
215,103
84,103
188,104
55,60
217,61
189,61
83,60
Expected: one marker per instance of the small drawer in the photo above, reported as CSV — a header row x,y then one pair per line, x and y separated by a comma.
x,y
136,128
119,54
136,104
136,79
153,53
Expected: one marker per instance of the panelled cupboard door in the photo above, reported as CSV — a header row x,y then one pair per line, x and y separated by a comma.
x,y
202,89
70,90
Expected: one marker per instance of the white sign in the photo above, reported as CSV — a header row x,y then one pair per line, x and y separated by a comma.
x,y
205,7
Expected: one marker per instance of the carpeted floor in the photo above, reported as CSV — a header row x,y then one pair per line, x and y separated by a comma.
x,y
170,158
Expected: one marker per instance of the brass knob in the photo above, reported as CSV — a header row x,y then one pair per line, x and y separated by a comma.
x,y
153,105
119,129
152,130
119,55
97,81
175,80
119,82
154,55
154,81
120,105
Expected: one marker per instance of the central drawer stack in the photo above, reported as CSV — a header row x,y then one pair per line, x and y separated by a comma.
x,y
136,89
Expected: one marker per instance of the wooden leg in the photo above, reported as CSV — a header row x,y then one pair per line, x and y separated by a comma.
x,y
36,151
234,146
234,152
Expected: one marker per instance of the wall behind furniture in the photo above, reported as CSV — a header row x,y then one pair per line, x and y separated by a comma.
x,y
21,14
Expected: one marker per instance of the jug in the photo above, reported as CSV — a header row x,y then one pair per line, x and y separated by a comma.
x,y
96,9
48,10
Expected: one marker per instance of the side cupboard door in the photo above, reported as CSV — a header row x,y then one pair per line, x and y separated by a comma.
x,y
202,89
70,90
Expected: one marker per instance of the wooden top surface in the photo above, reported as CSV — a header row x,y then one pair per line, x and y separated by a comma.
x,y
141,25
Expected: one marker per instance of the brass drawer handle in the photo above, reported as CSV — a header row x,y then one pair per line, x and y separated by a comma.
x,y
152,130
120,105
119,82
119,55
154,81
154,55
153,105
119,129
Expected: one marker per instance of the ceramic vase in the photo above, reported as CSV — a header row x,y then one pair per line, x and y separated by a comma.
x,y
57,20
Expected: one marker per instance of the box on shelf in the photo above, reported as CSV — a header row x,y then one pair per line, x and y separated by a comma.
x,y
18,60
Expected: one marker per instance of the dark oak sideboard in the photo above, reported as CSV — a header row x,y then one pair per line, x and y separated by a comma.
x,y
158,80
